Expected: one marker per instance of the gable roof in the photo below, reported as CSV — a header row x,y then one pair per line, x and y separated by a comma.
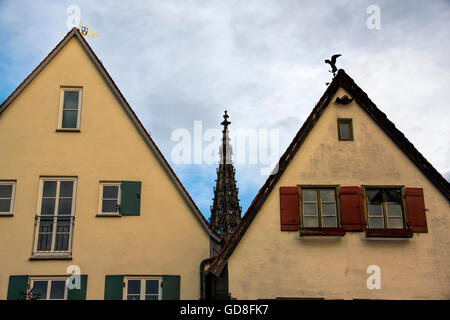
x,y
344,81
75,33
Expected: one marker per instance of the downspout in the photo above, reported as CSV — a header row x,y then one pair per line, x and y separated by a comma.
x,y
203,277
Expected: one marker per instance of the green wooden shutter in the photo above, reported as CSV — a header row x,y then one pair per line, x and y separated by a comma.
x,y
113,287
171,288
78,294
17,287
130,198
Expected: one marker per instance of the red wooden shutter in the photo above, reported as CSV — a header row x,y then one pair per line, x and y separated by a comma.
x,y
289,209
352,208
415,205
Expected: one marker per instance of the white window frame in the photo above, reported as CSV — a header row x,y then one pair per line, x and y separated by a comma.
x,y
100,199
142,293
13,195
61,108
52,253
49,286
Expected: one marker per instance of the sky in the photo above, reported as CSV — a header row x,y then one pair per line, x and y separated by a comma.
x,y
180,62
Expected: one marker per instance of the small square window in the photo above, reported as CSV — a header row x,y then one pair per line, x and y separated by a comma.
x,y
70,109
7,191
345,129
109,202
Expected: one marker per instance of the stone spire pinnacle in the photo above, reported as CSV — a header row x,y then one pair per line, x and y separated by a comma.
x,y
225,211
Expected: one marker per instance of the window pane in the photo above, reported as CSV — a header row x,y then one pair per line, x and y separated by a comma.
x,y
65,206
374,195
151,297
48,206
393,195
110,192
345,130
69,119
39,290
70,99
5,205
309,195
134,286
329,222
375,210
66,189
5,191
133,297
57,289
394,210
151,287
311,222
49,189
329,209
395,223
45,234
376,223
327,195
109,206
310,209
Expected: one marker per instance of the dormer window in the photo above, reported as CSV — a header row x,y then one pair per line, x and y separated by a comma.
x,y
70,109
345,129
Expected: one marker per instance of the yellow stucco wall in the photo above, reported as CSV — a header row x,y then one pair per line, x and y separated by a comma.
x,y
166,239
269,263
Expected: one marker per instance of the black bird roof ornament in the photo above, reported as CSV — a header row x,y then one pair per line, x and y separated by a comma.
x,y
332,63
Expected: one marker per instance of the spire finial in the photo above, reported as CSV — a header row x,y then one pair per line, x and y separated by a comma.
x,y
225,122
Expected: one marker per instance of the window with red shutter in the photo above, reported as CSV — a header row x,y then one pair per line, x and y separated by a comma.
x,y
415,205
352,208
289,209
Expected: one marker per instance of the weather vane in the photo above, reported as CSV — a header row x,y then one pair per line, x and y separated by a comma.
x,y
85,31
332,63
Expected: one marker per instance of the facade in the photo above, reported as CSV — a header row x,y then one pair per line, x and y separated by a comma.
x,y
83,184
353,212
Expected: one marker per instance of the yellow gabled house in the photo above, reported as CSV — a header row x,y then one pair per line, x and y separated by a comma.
x,y
353,211
83,188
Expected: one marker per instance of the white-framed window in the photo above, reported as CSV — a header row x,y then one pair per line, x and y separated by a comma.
x,y
142,288
53,288
109,201
70,108
7,193
55,216
319,207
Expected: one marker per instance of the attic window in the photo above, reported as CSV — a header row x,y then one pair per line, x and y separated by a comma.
x,y
345,129
70,109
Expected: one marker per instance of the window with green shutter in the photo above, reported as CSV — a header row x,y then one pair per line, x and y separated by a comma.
x,y
130,198
113,287
171,288
78,294
17,288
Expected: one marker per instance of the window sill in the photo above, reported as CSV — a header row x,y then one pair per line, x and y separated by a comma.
x,y
68,130
322,232
103,215
50,256
389,233
6,214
